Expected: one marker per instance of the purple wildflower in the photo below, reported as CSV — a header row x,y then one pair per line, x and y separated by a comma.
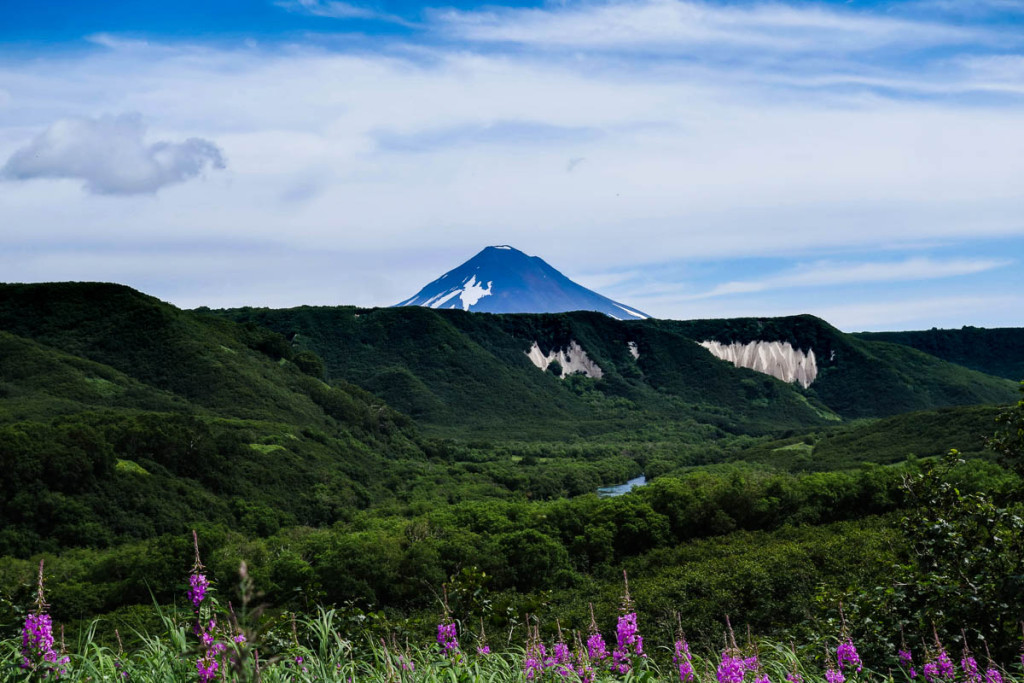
x,y
36,638
197,586
37,651
907,662
630,643
683,661
596,648
447,639
763,678
207,669
534,662
834,676
992,675
584,669
794,677
560,659
970,668
941,669
846,656
946,669
484,650
730,669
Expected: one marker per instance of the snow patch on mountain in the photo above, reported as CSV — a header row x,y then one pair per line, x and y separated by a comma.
x,y
633,350
572,359
633,313
778,359
468,293
473,292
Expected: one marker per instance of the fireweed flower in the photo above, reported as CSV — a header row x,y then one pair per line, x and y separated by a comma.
x,y
482,647
941,669
447,639
37,653
629,643
596,648
763,678
794,677
683,661
197,585
969,665
946,669
533,664
992,675
583,668
907,662
207,669
730,669
846,656
834,676
560,659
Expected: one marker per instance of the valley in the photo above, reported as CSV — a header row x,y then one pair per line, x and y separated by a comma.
x,y
364,458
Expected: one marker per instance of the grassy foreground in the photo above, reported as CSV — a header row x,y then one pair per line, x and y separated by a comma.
x,y
210,641
319,653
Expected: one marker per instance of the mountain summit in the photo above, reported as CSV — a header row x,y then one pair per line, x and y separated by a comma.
x,y
501,279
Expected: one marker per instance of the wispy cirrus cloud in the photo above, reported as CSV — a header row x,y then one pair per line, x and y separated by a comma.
x,y
827,273
494,133
338,9
671,25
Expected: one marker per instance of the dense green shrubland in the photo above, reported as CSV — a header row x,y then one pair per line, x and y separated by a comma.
x,y
998,351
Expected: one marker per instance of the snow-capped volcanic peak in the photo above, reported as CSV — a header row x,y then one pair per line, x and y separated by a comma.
x,y
502,279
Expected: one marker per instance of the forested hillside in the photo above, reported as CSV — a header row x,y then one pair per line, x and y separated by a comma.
x,y
462,374
997,351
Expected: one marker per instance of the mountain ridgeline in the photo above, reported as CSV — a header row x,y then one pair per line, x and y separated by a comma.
x,y
464,374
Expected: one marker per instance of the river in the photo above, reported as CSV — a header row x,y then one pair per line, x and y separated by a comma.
x,y
612,491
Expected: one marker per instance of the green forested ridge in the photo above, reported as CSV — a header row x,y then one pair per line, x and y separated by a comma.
x,y
996,351
860,377
462,374
363,458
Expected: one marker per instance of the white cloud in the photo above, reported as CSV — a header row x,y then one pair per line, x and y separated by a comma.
x,y
111,156
825,273
336,9
684,24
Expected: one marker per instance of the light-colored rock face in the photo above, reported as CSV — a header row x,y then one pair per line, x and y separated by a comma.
x,y
572,359
778,359
633,350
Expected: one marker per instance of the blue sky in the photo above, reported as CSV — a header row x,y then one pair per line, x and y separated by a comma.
x,y
861,161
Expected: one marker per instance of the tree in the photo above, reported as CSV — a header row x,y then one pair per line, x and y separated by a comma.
x,y
1008,441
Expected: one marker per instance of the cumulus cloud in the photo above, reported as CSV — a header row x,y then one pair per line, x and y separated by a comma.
x,y
110,154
